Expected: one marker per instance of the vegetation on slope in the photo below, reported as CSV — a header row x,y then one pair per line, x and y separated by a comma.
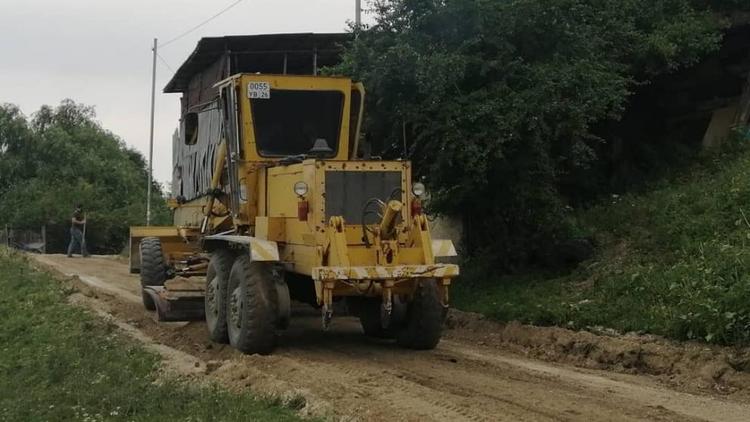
x,y
674,261
58,363
61,157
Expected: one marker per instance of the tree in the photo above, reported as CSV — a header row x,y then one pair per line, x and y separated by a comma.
x,y
62,157
495,101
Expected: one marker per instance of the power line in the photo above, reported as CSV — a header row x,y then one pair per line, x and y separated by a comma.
x,y
226,9
164,62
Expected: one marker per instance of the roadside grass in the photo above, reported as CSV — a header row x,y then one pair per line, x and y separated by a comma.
x,y
59,363
673,261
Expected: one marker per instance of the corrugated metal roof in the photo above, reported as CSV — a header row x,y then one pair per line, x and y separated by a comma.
x,y
261,53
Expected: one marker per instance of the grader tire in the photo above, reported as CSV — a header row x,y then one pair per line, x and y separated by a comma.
x,y
252,307
217,296
369,317
424,319
153,268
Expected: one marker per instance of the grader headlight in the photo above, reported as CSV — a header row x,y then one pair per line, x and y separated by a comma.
x,y
303,207
418,189
300,188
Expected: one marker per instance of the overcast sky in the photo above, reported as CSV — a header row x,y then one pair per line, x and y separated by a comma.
x,y
98,52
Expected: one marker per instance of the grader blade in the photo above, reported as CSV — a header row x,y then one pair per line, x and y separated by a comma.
x,y
177,306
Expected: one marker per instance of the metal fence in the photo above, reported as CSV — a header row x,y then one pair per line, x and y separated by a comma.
x,y
25,239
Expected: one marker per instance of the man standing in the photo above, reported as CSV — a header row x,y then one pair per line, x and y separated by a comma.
x,y
78,232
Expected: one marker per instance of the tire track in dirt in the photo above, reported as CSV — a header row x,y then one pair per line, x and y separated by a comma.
x,y
343,375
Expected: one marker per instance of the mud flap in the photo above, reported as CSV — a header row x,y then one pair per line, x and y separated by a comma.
x,y
177,308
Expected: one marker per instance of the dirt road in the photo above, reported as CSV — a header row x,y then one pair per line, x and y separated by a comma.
x,y
343,375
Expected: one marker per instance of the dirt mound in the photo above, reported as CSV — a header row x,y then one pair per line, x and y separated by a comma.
x,y
687,366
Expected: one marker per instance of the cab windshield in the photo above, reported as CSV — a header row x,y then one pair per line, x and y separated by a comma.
x,y
289,122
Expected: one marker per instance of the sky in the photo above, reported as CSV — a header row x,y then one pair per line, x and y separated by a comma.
x,y
98,52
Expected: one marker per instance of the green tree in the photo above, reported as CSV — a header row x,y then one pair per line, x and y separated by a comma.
x,y
61,157
495,101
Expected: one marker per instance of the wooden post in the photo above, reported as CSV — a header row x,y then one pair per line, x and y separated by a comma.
x,y
7,236
315,61
44,239
358,13
151,137
743,110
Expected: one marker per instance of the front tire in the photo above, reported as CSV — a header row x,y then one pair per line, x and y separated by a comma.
x,y
252,307
153,268
424,319
217,296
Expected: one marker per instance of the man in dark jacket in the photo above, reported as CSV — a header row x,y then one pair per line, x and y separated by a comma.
x,y
78,232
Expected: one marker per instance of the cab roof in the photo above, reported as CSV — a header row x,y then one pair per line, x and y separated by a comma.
x,y
266,53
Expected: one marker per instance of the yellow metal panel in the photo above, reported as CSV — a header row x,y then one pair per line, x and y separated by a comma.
x,y
191,213
249,201
359,255
366,165
443,247
299,258
263,250
297,231
270,228
282,201
310,83
360,88
261,227
411,256
154,231
443,271
262,192
318,204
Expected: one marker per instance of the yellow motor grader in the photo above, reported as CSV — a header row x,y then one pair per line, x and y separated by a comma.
x,y
272,203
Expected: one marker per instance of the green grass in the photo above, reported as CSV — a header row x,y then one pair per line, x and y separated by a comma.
x,y
673,261
58,363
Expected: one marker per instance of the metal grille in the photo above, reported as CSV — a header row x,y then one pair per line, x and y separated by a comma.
x,y
348,191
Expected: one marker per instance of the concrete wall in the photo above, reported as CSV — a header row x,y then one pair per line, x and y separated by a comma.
x,y
448,228
721,125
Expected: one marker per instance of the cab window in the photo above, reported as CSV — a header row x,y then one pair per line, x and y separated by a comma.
x,y
290,121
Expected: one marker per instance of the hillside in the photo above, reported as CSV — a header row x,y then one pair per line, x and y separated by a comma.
x,y
671,261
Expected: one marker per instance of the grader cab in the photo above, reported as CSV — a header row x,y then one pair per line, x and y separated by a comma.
x,y
272,203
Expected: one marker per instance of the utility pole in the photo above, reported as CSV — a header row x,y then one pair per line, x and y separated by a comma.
x,y
151,138
358,12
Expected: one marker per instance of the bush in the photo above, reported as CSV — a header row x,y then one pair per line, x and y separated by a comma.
x,y
674,261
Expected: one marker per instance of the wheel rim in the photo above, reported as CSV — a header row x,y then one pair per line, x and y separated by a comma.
x,y
211,297
235,308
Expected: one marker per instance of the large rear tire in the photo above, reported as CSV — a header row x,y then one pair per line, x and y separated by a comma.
x,y
153,268
423,326
217,296
252,307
